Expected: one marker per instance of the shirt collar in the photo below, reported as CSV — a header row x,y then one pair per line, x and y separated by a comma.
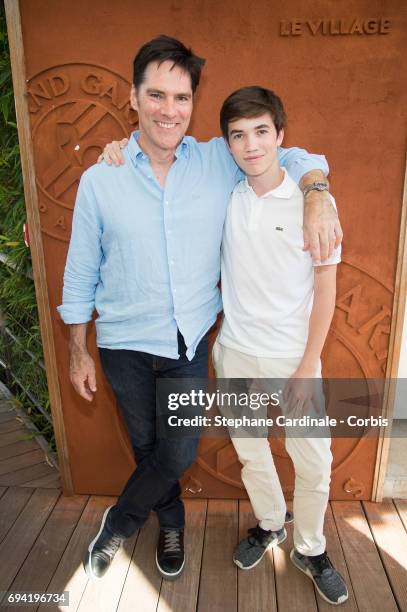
x,y
137,154
285,190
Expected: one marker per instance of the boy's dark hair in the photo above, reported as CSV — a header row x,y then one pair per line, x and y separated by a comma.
x,y
165,48
250,102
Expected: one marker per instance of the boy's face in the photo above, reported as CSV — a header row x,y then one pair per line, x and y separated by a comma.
x,y
253,143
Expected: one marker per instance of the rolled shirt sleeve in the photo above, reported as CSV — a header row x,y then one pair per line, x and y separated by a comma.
x,y
298,162
82,269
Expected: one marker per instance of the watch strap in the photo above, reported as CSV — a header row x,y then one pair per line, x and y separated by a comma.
x,y
316,186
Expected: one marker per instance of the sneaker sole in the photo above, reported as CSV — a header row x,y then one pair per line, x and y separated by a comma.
x,y
87,564
273,544
307,572
166,575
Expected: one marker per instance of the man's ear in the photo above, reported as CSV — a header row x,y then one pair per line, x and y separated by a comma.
x,y
133,98
280,137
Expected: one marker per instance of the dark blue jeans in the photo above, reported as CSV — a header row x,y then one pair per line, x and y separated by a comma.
x,y
160,461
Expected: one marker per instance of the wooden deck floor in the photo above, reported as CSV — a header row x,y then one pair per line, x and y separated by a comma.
x,y
44,536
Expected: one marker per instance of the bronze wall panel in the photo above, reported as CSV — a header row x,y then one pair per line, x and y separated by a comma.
x,y
341,73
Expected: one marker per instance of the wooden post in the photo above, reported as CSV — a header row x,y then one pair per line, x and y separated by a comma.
x,y
33,218
393,360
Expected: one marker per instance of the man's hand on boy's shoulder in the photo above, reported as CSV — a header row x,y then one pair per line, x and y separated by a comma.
x,y
322,228
112,153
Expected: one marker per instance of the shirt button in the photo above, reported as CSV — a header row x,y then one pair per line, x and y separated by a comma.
x,y
172,262
166,201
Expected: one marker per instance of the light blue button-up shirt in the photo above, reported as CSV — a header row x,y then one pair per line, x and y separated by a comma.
x,y
148,258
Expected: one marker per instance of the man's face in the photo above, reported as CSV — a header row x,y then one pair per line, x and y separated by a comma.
x,y
164,105
253,143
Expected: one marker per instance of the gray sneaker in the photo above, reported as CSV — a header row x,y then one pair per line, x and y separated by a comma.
x,y
250,551
328,581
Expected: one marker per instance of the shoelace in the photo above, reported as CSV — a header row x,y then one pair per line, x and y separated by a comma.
x,y
172,541
112,546
323,564
332,581
255,536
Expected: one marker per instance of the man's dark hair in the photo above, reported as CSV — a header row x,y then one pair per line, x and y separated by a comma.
x,y
250,102
165,48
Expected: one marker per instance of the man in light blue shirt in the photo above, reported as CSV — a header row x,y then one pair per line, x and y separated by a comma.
x,y
145,253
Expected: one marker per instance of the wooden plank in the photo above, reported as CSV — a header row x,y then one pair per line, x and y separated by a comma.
x,y
50,481
369,580
103,595
218,589
183,593
33,431
294,590
2,491
10,426
7,416
38,568
6,406
12,464
14,436
142,587
335,553
18,448
391,539
15,40
256,587
21,537
26,474
401,505
12,502
70,574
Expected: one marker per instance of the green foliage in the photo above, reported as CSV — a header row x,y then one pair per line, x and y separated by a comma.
x,y
20,347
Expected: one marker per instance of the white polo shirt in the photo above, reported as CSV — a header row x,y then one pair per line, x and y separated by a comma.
x,y
267,279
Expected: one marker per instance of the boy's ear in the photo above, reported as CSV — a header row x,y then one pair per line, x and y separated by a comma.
x,y
280,137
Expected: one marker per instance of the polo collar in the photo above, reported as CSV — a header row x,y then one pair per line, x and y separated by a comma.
x,y
137,155
285,190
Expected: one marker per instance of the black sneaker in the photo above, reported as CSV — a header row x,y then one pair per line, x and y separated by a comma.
x,y
328,581
250,551
102,550
170,556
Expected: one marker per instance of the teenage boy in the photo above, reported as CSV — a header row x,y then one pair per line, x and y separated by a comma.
x,y
278,307
145,253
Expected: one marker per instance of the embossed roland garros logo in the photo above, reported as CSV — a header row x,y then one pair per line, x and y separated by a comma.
x,y
75,109
356,347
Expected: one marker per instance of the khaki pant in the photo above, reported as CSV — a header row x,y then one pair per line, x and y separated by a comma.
x,y
311,457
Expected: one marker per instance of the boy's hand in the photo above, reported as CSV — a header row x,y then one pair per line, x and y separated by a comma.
x,y
112,152
302,395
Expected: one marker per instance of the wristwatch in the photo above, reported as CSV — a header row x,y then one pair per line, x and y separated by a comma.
x,y
318,186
